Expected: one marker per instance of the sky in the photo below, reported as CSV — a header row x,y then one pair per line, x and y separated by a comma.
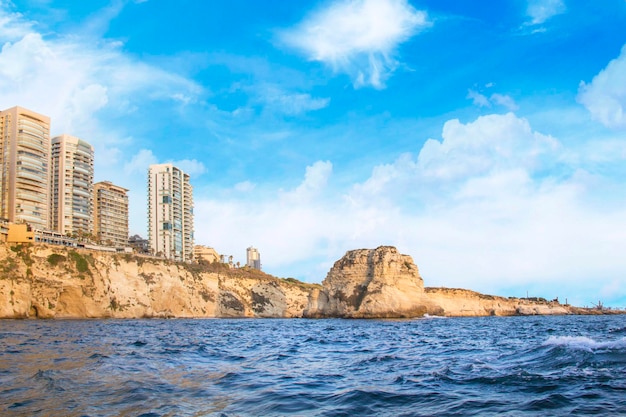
x,y
485,139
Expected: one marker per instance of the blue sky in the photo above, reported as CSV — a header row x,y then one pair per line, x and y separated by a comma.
x,y
485,139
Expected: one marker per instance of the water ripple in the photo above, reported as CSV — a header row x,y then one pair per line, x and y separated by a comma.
x,y
451,367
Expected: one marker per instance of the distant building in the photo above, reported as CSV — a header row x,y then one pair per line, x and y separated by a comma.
x,y
72,161
253,258
139,244
205,253
111,214
170,212
24,167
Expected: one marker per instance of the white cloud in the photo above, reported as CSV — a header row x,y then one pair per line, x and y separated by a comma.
x,y
12,24
277,99
315,179
141,161
478,99
244,187
71,78
540,11
505,101
491,142
358,37
192,167
497,99
605,96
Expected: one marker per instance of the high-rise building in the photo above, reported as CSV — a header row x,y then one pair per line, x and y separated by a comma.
x,y
72,185
24,167
253,258
170,212
110,214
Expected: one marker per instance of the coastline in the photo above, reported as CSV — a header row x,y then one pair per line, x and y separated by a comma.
x,y
48,282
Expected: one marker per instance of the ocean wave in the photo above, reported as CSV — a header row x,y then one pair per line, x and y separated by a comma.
x,y
585,343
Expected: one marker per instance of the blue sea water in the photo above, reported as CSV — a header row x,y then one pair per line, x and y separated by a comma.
x,y
499,366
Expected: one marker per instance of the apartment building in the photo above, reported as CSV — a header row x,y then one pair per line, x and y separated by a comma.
x,y
72,199
24,167
110,214
170,212
253,258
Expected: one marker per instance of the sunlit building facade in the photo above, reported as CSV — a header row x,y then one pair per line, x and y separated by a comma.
x,y
110,214
170,213
206,254
72,164
253,258
24,167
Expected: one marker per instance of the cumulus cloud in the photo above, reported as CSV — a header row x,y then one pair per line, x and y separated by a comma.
x,y
540,11
358,37
605,96
490,142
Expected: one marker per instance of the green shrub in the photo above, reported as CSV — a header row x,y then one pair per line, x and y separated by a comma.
x,y
55,259
81,263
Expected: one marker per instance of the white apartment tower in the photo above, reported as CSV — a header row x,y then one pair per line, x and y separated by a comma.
x,y
72,186
253,258
24,169
170,212
110,215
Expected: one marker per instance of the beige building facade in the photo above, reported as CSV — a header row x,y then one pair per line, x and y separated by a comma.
x,y
253,258
24,167
170,213
111,214
72,163
205,253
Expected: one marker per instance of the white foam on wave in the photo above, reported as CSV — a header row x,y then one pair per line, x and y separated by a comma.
x,y
428,316
585,343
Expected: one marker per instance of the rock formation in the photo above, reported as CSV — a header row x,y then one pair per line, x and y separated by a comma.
x,y
55,282
371,283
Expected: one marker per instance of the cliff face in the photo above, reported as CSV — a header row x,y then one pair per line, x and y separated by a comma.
x,y
55,282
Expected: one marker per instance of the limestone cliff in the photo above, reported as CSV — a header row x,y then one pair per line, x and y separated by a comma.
x,y
55,282
382,283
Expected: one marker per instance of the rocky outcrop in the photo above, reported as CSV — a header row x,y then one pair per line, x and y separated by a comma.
x,y
54,282
371,283
382,283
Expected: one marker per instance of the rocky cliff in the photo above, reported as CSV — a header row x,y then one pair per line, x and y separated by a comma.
x,y
54,282
371,283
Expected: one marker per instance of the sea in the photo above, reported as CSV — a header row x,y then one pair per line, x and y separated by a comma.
x,y
491,366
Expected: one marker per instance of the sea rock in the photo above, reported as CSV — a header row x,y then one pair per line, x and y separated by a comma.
x,y
370,283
